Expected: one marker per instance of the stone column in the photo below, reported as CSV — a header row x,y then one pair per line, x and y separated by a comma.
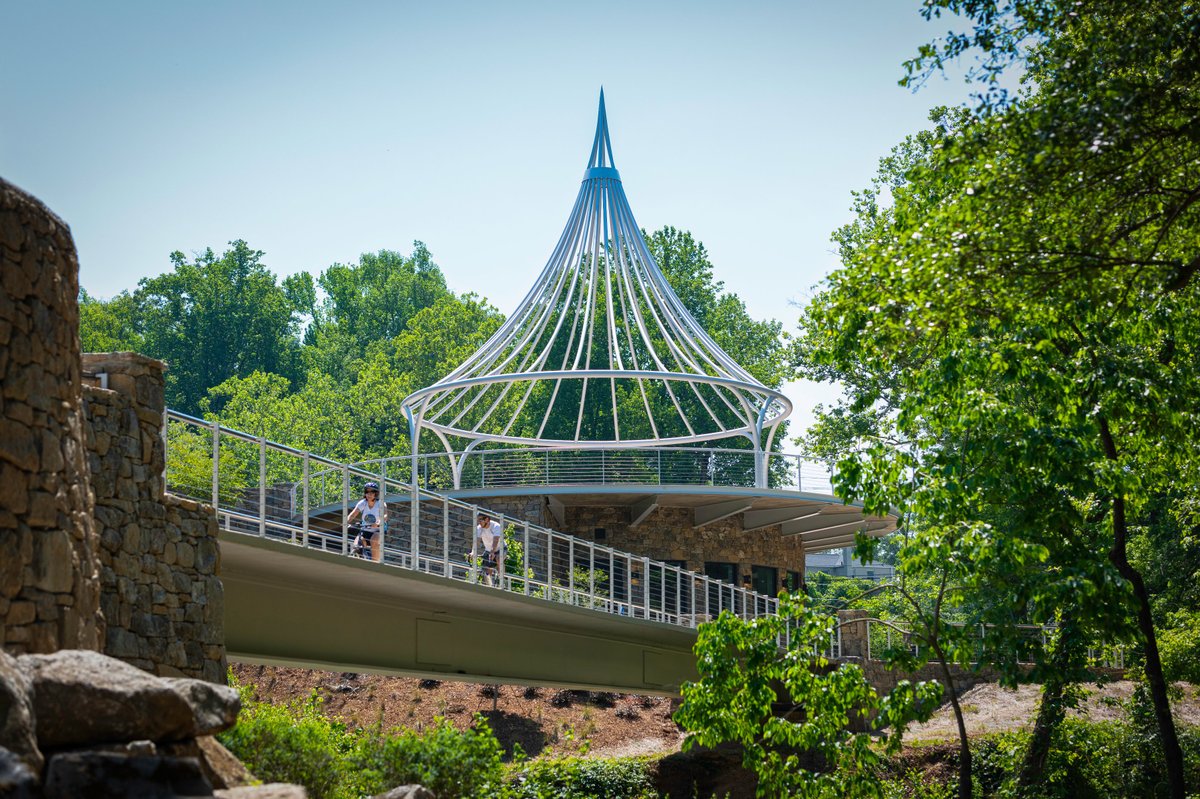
x,y
854,633
49,586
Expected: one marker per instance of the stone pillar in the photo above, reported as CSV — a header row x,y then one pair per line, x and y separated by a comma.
x,y
854,633
49,586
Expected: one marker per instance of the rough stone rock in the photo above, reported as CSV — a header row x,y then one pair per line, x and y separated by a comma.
x,y
407,792
272,790
16,780
16,714
82,697
219,765
214,707
99,774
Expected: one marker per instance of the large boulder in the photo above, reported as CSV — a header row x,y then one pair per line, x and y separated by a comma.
x,y
82,697
74,774
406,792
16,779
214,707
16,714
219,765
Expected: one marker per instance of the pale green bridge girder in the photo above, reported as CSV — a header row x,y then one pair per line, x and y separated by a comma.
x,y
295,606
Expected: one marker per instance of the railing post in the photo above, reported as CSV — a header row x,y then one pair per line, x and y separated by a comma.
x,y
646,587
216,465
591,574
474,555
262,487
446,537
571,568
304,486
501,568
345,509
525,560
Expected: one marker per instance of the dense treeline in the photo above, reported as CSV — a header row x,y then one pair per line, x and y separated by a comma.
x,y
322,363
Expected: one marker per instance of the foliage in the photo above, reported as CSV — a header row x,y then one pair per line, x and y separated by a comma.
x,y
293,743
297,743
108,325
447,761
1088,760
212,318
808,751
1018,330
580,778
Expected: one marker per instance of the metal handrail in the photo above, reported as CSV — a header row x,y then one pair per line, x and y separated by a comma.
x,y
1107,656
266,489
538,466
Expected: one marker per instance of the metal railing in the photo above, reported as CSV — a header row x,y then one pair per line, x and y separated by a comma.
x,y
651,466
273,491
883,636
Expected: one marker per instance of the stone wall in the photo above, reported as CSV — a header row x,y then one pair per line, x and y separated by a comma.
x,y
49,586
666,534
160,592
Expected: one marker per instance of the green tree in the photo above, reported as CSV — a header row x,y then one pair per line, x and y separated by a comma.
x,y
108,325
1028,303
213,318
744,678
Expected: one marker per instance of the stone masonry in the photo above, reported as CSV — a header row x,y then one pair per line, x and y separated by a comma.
x,y
49,586
159,558
93,553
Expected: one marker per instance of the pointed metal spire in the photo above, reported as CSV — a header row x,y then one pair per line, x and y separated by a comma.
x,y
601,353
602,157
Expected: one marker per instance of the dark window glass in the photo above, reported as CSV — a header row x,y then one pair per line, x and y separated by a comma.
x,y
725,572
792,581
765,580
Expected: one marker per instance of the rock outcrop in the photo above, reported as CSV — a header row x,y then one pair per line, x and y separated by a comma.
x,y
77,723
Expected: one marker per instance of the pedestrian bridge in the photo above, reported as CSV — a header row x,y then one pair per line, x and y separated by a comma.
x,y
561,611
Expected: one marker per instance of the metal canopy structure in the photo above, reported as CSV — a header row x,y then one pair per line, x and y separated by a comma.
x,y
601,354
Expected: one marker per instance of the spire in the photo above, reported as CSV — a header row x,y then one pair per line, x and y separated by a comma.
x,y
600,163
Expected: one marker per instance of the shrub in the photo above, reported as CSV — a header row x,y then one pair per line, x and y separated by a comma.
x,y
578,778
450,762
291,743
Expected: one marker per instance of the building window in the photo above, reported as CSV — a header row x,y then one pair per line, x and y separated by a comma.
x,y
793,582
599,533
725,572
764,580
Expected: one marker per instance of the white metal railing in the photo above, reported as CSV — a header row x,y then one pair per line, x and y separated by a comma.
x,y
886,635
274,491
698,466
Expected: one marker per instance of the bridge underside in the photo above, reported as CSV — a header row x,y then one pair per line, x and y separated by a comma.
x,y
820,521
288,605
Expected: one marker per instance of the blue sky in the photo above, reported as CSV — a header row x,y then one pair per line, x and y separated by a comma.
x,y
318,131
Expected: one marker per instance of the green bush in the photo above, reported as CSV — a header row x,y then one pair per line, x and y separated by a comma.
x,y
579,778
1087,760
293,743
450,762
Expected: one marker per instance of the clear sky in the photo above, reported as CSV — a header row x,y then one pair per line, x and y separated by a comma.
x,y
318,131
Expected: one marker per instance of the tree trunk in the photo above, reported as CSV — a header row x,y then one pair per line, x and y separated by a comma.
x,y
1119,557
964,756
1063,662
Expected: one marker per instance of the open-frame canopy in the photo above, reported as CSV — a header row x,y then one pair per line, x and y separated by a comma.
x,y
601,353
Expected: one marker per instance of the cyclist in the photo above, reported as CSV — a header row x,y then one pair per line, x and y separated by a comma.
x,y
373,512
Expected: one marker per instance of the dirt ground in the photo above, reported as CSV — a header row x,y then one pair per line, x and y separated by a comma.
x,y
545,721
990,708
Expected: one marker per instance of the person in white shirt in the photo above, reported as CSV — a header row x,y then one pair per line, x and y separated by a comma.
x,y
373,512
489,540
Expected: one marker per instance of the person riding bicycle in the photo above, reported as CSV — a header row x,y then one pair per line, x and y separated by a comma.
x,y
489,537
373,512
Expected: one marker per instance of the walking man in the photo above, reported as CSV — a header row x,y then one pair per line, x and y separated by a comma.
x,y
489,542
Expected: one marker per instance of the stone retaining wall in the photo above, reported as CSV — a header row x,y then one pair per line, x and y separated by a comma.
x,y
49,586
160,592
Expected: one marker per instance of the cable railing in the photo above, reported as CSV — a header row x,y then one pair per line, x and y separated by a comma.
x,y
883,636
646,466
273,491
